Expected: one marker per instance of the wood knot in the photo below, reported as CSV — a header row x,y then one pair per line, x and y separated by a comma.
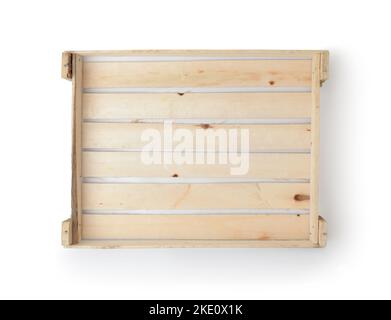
x,y
272,83
301,197
205,126
175,175
181,93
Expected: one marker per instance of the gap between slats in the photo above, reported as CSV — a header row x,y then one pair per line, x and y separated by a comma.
x,y
276,121
139,180
89,59
201,212
267,151
184,90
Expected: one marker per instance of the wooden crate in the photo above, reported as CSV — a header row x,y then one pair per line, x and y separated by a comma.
x,y
119,202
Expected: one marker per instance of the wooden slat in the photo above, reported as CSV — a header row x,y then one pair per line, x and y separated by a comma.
x,y
262,137
196,105
195,196
273,73
131,244
77,79
315,149
129,164
300,54
247,227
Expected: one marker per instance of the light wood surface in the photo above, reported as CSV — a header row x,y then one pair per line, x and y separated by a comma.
x,y
267,73
77,78
280,211
190,227
129,164
196,196
281,54
66,234
322,232
262,137
315,149
221,106
148,244
66,66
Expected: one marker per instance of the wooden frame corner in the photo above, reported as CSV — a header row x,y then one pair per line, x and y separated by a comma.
x,y
66,66
322,232
66,234
324,66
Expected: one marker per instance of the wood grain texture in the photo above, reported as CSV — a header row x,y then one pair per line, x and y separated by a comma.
x,y
324,66
66,66
262,137
315,148
195,196
148,244
103,225
129,164
77,78
188,227
322,232
265,73
196,105
307,54
66,234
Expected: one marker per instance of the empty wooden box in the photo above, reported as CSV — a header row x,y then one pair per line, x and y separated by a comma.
x,y
119,201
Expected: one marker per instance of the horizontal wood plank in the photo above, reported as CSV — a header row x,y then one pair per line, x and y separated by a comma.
x,y
129,164
262,137
187,227
145,244
220,106
272,73
300,54
195,196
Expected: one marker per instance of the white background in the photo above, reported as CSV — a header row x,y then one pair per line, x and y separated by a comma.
x,y
36,149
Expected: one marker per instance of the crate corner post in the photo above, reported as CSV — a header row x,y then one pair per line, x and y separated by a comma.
x,y
322,232
66,65
324,66
66,234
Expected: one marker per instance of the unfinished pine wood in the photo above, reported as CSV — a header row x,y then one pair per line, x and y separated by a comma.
x,y
267,73
262,137
187,227
315,149
221,106
66,235
145,244
324,66
77,79
195,196
129,164
66,66
107,209
322,232
277,54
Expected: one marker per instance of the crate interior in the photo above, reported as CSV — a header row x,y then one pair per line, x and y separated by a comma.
x,y
120,200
